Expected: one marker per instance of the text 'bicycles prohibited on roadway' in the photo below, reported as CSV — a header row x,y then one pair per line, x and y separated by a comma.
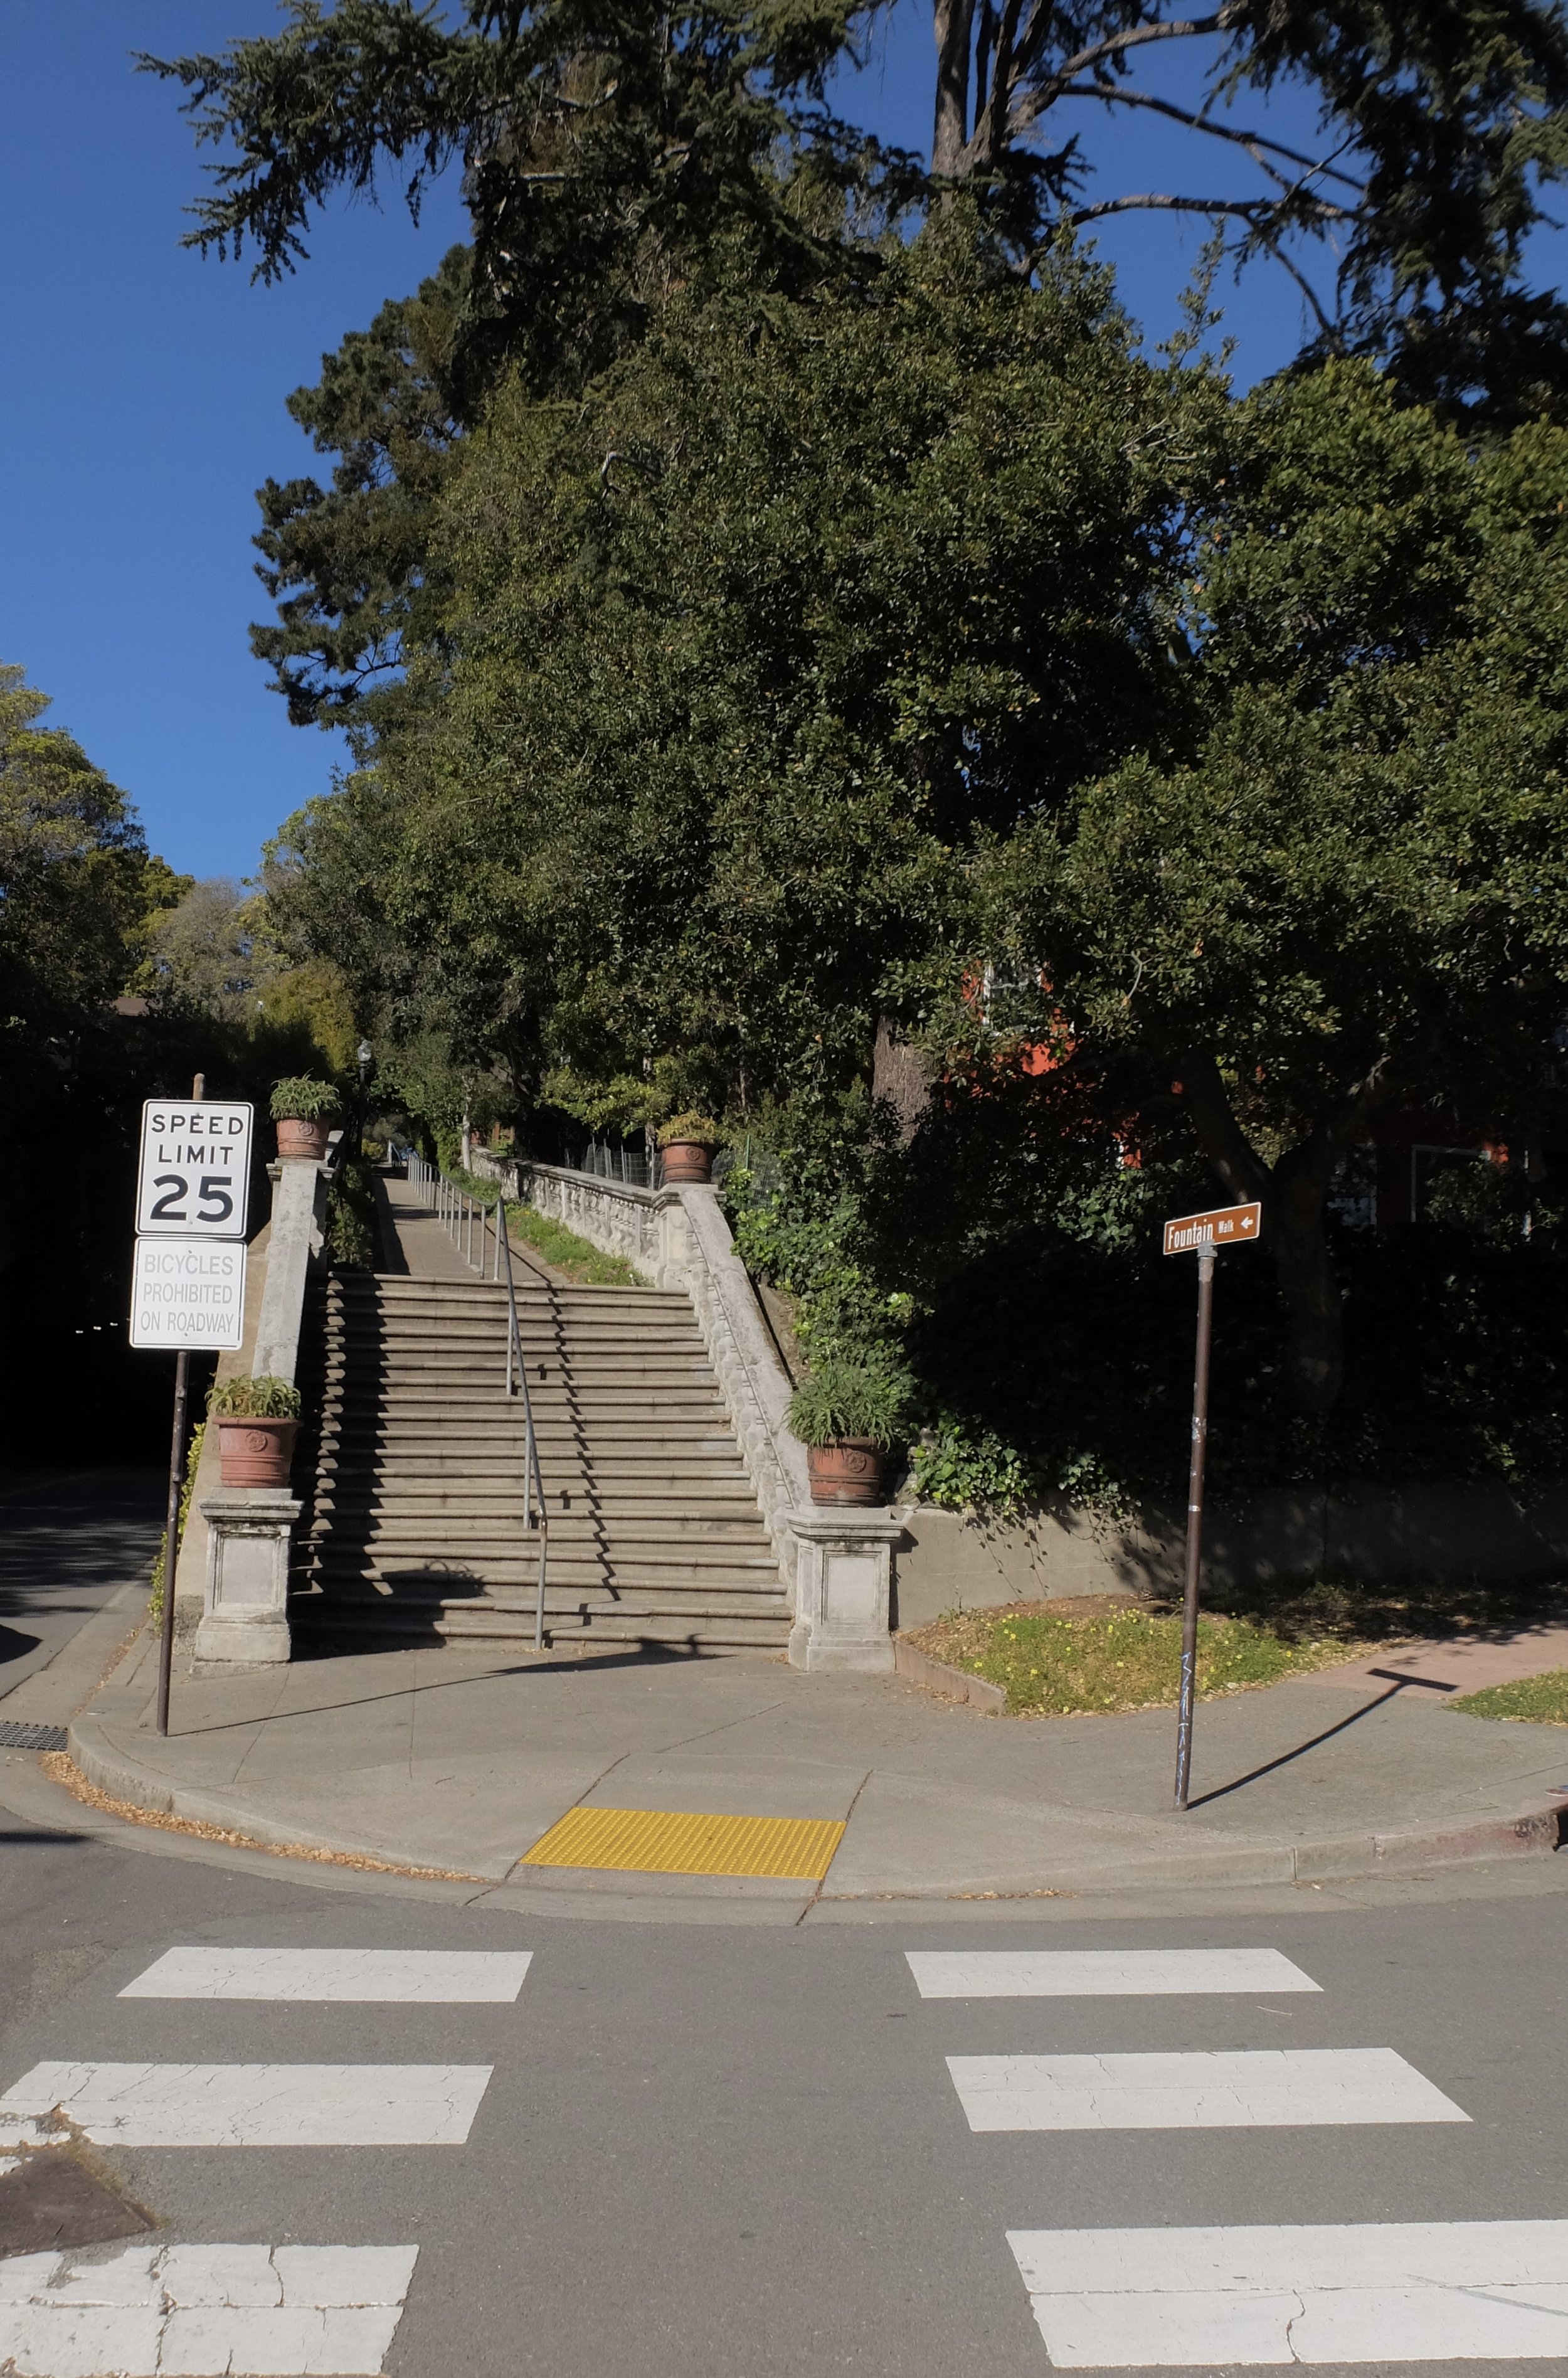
x,y
187,1295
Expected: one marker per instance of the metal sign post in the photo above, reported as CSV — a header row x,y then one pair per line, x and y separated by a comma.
x,y
1199,1234
192,1191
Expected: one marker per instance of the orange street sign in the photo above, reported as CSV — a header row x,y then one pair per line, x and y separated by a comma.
x,y
1227,1225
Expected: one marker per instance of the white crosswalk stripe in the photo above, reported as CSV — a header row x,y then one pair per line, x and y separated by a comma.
x,y
1101,1973
196,2312
248,2104
1257,2298
1200,2089
385,1977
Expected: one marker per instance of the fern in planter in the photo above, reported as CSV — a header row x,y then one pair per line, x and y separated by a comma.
x,y
848,1399
263,1399
300,1099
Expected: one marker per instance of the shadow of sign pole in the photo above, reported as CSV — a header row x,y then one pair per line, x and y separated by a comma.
x,y
1199,1234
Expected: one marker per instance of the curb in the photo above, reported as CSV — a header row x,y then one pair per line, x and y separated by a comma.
x,y
953,1683
108,1768
1532,1831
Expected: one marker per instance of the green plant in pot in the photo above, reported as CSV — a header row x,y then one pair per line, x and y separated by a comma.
x,y
848,1416
686,1144
305,1111
258,1422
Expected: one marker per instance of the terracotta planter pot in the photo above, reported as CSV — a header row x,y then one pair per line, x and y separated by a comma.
x,y
849,1470
255,1452
297,1137
686,1160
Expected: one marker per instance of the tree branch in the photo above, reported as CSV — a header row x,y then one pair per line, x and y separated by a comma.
x,y
996,109
1117,46
1218,1134
1248,209
1251,141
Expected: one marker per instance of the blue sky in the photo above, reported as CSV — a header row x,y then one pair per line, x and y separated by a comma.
x,y
142,402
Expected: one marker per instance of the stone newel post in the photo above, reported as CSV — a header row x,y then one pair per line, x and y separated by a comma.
x,y
244,1617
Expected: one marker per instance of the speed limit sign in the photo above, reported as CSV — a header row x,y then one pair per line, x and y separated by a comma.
x,y
194,1175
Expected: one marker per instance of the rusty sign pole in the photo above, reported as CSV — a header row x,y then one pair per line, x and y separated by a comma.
x,y
1194,1522
172,1526
1202,1235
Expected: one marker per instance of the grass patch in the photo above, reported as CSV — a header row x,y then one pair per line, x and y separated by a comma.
x,y
580,1261
1539,1700
1054,1663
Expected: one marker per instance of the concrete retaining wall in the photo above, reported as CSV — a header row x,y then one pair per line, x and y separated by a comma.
x,y
1467,1533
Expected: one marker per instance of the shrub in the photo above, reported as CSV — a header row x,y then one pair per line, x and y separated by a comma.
x,y
297,1098
691,1131
263,1399
848,1399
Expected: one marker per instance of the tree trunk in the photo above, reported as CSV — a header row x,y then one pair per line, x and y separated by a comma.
x,y
950,130
1294,1194
1304,1267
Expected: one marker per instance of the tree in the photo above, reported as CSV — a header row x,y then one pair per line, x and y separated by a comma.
x,y
1349,893
347,566
740,654
611,154
73,885
1439,126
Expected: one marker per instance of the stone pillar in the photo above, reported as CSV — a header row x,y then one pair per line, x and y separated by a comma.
x,y
244,1619
299,1210
843,1589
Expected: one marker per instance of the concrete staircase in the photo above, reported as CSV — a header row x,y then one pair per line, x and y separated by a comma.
x,y
414,1528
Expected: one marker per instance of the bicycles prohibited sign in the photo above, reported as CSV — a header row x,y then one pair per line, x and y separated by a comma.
x,y
187,1295
194,1180
193,1188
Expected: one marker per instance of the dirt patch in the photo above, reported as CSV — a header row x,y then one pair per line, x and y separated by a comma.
x,y
55,2198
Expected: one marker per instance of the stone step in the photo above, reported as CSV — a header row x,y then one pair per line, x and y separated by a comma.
x,y
462,1569
701,1532
390,1294
416,1450
516,1555
661,1472
536,1330
336,1626
619,1518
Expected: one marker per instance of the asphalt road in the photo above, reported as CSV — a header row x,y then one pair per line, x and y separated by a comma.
x,y
736,2151
69,1543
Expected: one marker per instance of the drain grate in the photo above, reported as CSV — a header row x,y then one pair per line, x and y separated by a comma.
x,y
13,1735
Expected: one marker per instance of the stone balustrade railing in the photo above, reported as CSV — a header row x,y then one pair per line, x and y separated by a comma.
x,y
836,1563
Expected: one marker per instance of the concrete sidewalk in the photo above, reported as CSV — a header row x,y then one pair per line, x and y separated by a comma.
x,y
436,1759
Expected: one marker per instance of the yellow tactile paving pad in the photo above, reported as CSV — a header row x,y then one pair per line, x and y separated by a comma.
x,y
663,1841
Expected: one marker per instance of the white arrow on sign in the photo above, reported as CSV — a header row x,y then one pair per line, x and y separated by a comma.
x,y
194,1180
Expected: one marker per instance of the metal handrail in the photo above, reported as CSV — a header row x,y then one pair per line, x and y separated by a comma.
x,y
517,1368
457,1212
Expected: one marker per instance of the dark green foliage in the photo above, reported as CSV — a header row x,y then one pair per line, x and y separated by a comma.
x,y
844,1399
347,566
254,1399
748,647
1440,130
352,1236
301,1099
1347,897
691,1131
610,151
1048,1344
